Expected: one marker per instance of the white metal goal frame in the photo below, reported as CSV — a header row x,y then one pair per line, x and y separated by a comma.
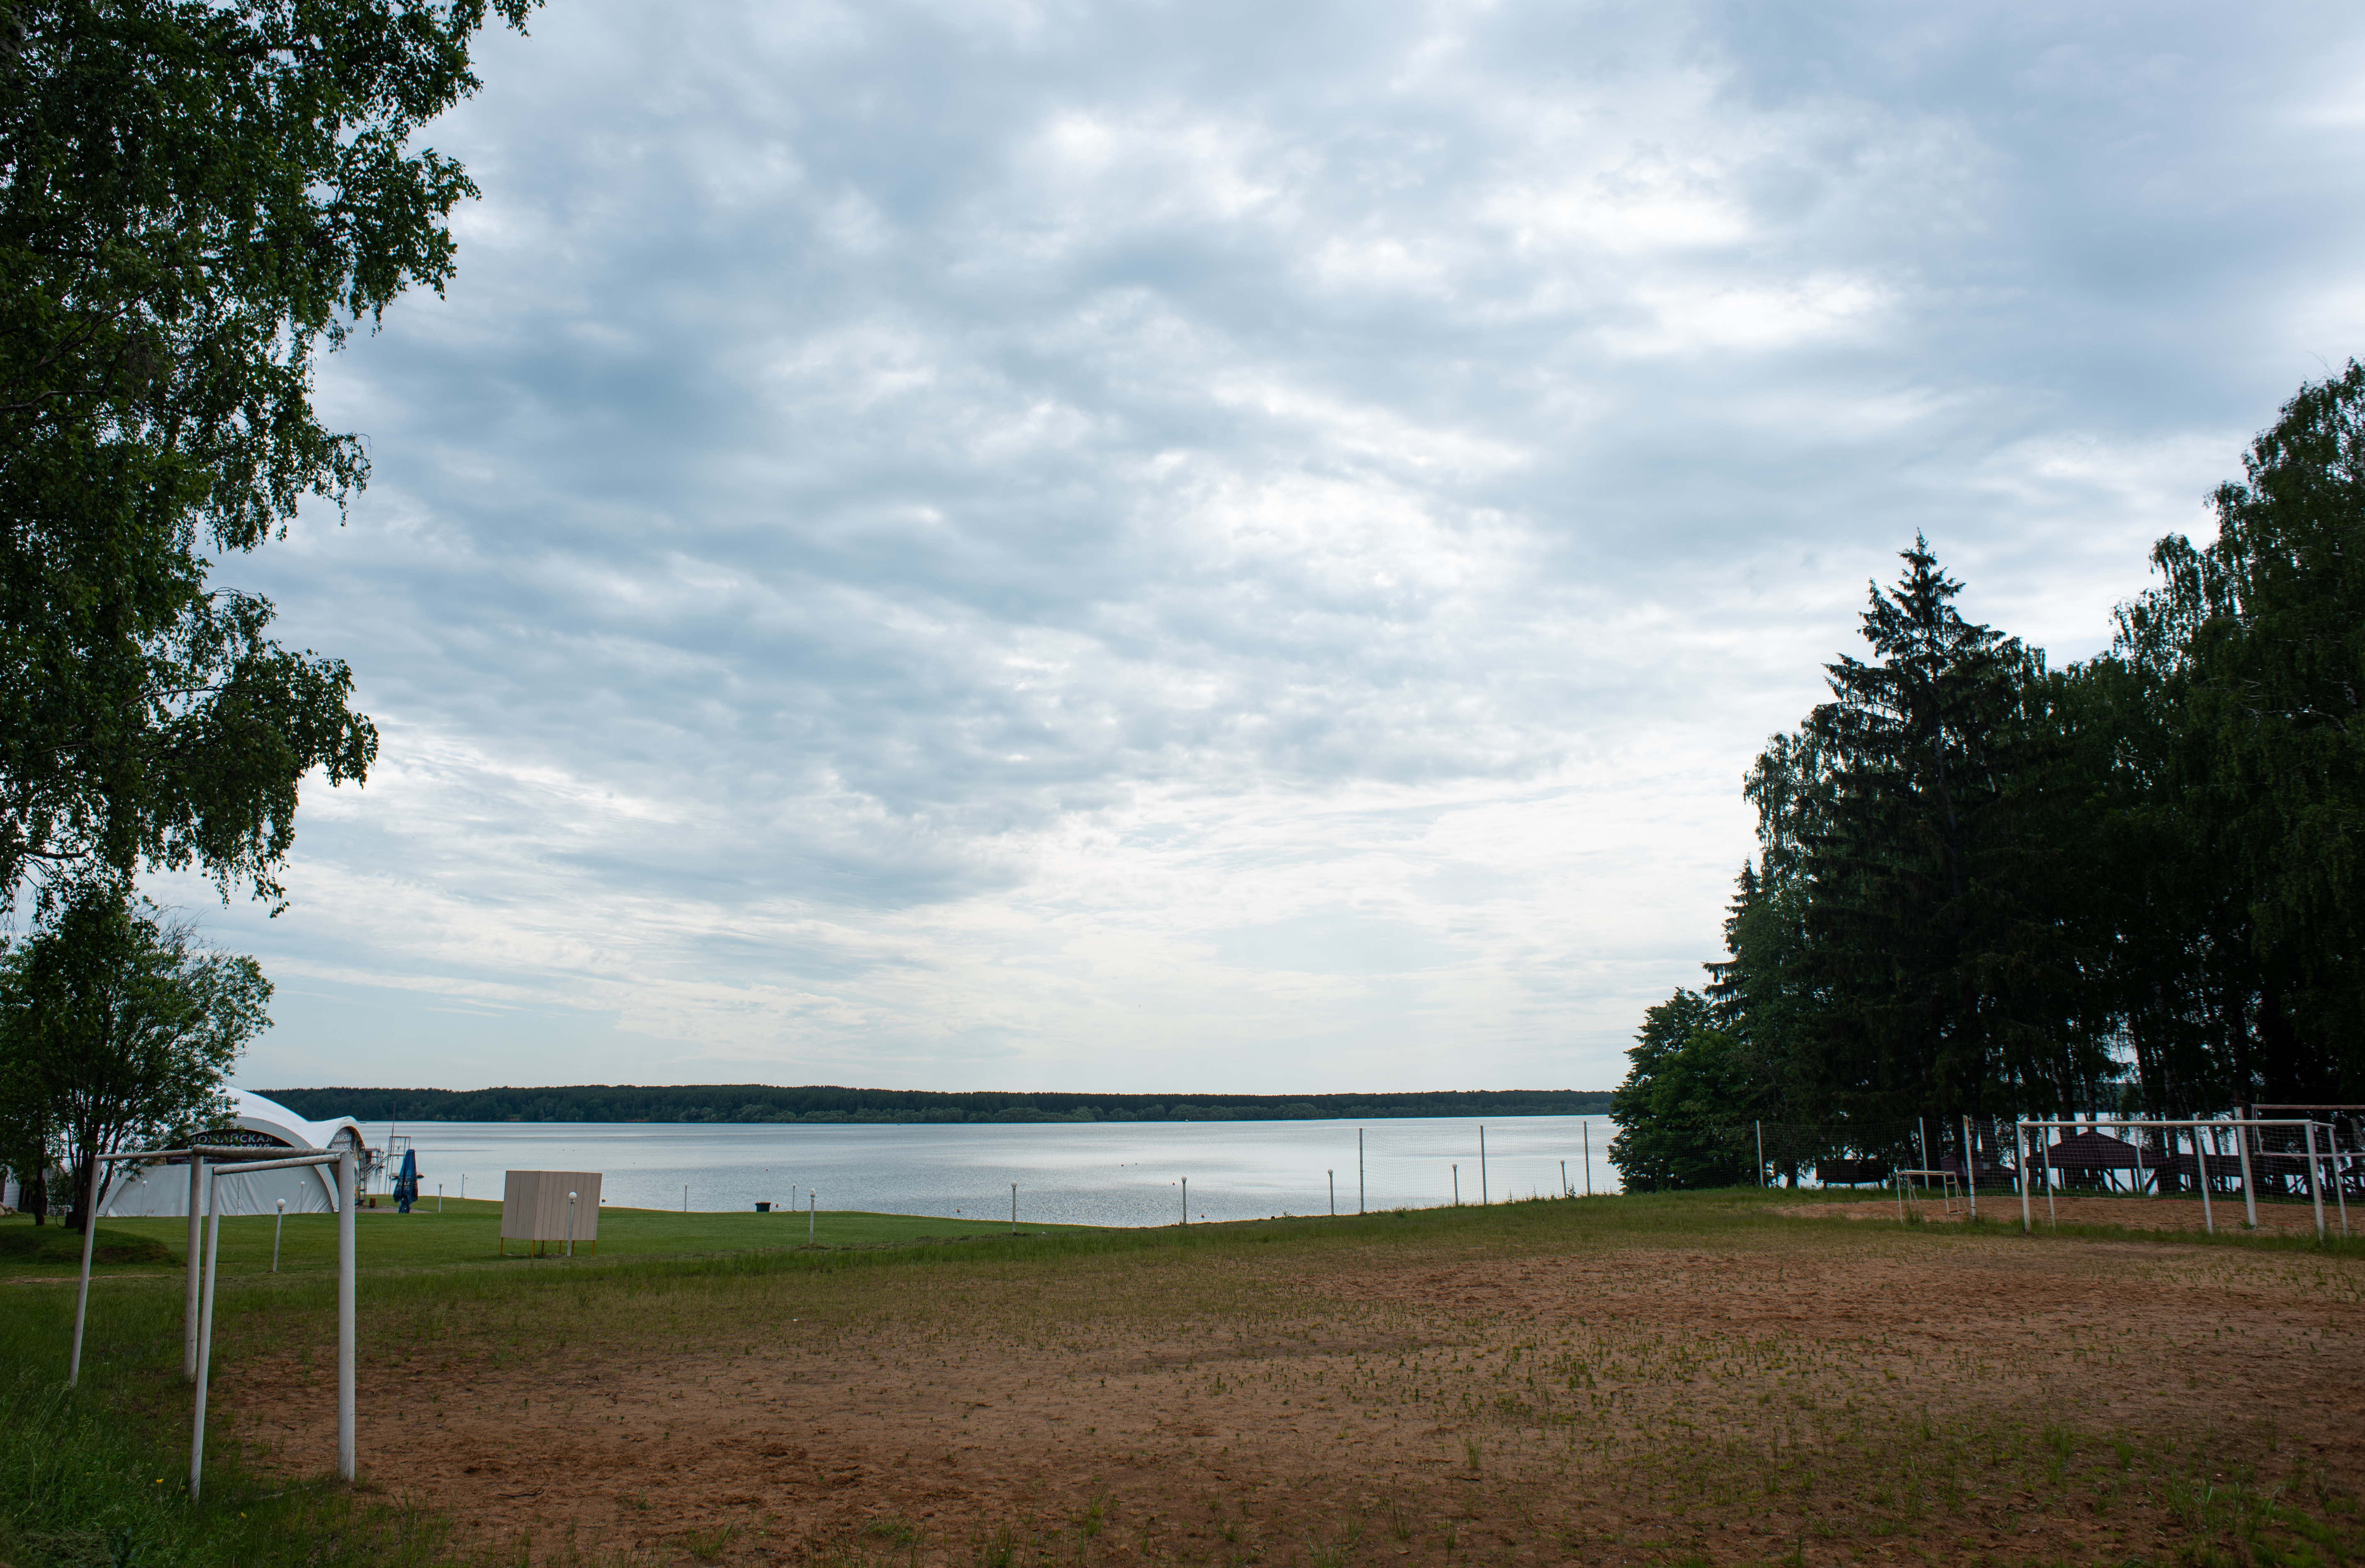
x,y
2243,1129
206,1163
1947,1181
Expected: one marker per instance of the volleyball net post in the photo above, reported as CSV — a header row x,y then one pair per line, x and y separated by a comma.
x,y
206,1205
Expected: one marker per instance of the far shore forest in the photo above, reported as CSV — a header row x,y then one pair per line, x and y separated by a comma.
x,y
760,1103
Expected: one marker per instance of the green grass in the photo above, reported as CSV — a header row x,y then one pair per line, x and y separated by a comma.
x,y
87,1476
467,1233
25,1247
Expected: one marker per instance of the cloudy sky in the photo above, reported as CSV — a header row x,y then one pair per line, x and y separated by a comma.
x,y
1224,547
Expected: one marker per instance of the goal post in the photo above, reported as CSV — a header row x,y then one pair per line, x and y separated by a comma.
x,y
2203,1133
198,1333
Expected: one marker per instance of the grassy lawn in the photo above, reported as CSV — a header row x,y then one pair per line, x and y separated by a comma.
x,y
1680,1392
466,1233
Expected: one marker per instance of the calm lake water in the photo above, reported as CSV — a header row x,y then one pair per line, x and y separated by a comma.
x,y
1125,1173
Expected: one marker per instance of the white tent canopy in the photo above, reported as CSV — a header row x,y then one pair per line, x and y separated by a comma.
x,y
161,1188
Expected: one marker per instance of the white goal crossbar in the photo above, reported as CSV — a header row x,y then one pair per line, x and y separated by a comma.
x,y
206,1165
2242,1128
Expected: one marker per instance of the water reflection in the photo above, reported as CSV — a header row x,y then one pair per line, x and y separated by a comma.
x,y
1120,1173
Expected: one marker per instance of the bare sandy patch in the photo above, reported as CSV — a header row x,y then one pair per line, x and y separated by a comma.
x,y
1808,1391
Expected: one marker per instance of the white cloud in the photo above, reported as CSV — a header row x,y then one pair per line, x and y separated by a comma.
x,y
1120,546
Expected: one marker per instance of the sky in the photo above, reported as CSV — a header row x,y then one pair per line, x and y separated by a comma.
x,y
1223,548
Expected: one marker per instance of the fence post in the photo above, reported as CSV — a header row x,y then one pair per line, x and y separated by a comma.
x,y
2200,1166
2315,1187
2249,1187
1761,1156
1971,1167
89,1236
196,1244
2020,1157
204,1344
2340,1192
348,1206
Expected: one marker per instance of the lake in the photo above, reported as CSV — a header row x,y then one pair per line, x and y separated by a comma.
x,y
1115,1173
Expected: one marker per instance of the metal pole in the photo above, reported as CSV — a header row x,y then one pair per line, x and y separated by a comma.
x,y
1971,1167
570,1224
812,1216
1587,1127
2315,1188
205,1341
2052,1217
1761,1155
2249,1187
1013,1208
89,1236
197,1244
1481,1165
2200,1165
1334,1192
1359,1171
278,1226
1922,1131
348,1202
1564,1180
2332,1137
2020,1157
1186,1200
1457,1186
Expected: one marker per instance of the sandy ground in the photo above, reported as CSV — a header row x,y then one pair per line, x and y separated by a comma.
x,y
2128,1214
1626,1403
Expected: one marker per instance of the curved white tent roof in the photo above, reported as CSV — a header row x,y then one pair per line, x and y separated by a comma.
x,y
251,1112
164,1189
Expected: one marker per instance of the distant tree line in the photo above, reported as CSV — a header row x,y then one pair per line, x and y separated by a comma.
x,y
765,1102
1988,888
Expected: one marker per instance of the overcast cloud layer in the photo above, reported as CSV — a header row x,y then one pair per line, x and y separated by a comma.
x,y
1215,547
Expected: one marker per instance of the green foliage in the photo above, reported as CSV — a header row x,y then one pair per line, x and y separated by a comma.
x,y
2251,659
198,198
1684,1111
115,1032
1978,879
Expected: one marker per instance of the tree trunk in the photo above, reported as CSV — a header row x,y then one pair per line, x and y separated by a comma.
x,y
79,1200
37,1192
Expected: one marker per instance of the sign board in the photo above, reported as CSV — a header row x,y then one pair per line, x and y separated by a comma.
x,y
534,1205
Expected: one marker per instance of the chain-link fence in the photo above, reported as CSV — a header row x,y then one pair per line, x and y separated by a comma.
x,y
1430,1163
1867,1153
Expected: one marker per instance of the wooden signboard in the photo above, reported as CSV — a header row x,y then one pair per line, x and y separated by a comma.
x,y
533,1208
